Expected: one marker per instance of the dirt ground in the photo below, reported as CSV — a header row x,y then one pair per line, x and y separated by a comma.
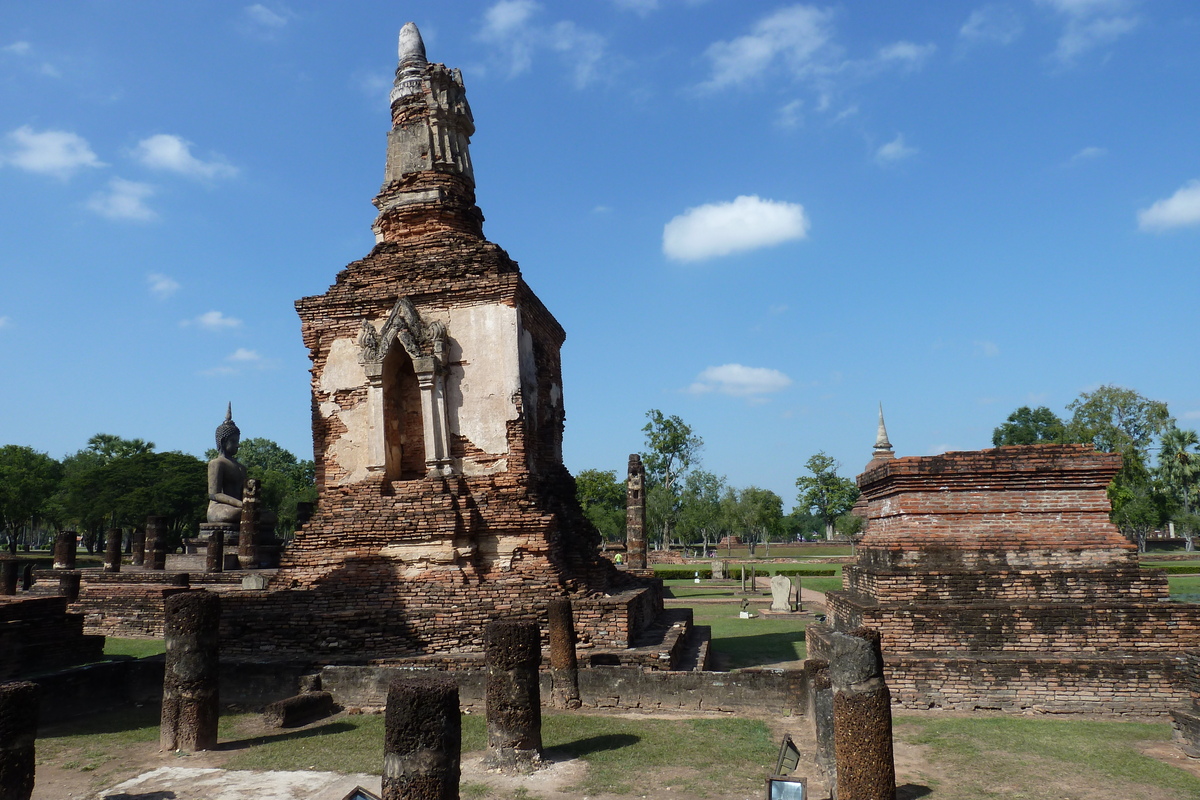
x,y
916,776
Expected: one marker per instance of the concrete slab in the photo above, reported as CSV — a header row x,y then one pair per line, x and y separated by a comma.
x,y
190,783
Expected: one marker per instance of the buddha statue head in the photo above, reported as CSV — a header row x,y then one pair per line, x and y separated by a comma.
x,y
228,435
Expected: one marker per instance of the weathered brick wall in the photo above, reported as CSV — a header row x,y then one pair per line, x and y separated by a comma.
x,y
130,609
39,634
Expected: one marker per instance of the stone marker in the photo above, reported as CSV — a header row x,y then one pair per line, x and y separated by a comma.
x,y
112,550
64,550
256,582
719,568
512,652
139,547
68,584
156,543
298,710
190,706
781,593
822,701
862,717
422,739
564,668
9,569
18,730
635,514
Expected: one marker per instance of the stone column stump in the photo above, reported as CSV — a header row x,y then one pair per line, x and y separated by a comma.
x,y
564,667
139,547
862,717
65,544
10,569
68,584
190,706
112,550
156,543
512,652
18,730
822,705
27,579
635,514
422,739
247,549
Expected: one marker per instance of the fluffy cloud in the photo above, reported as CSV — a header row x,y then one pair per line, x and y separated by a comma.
x,y
237,362
991,23
213,321
794,36
1088,153
789,115
18,48
262,22
174,154
123,200
740,381
907,54
718,229
1180,210
162,286
1091,24
895,150
57,153
245,356
509,27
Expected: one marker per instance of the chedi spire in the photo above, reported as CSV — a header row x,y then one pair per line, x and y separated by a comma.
x,y
428,182
883,448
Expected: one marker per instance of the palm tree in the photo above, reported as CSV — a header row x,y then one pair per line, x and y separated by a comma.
x,y
1179,471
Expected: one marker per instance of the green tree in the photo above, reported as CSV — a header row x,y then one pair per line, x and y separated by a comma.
x,y
28,479
284,480
1178,474
700,507
825,492
1117,420
758,514
1030,426
671,450
602,497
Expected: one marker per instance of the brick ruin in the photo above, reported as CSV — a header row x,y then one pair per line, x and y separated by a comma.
x,y
39,634
997,581
437,415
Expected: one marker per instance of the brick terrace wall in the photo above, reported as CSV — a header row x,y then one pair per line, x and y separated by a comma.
x,y
38,634
129,610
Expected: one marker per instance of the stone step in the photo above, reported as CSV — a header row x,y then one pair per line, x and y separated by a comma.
x,y
693,655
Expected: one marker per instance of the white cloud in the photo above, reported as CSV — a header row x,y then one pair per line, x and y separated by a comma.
x,y
1091,24
1088,153
895,150
57,153
124,200
244,355
1180,210
992,23
908,54
260,15
718,229
18,48
642,7
213,321
174,154
986,349
793,36
740,381
789,115
510,28
162,286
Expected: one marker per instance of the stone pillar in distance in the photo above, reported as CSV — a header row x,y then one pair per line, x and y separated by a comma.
x,y
139,547
248,530
214,554
156,543
10,569
112,550
635,514
68,584
190,705
512,651
862,717
564,668
422,739
64,550
18,730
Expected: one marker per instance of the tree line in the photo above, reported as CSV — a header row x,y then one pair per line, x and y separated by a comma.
x,y
116,483
688,505
1159,481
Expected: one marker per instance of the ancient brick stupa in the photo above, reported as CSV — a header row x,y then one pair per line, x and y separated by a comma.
x,y
437,429
997,581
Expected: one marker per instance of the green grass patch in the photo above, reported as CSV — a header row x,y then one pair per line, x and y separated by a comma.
x,y
821,584
759,642
1013,757
138,648
1175,567
96,743
1184,589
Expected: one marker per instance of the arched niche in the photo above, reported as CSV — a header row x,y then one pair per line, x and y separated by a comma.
x,y
403,425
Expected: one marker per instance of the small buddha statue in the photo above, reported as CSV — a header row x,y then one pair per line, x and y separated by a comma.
x,y
226,476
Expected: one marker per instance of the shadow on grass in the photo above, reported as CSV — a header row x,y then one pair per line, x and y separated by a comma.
x,y
761,649
595,744
254,741
912,791
166,795
124,719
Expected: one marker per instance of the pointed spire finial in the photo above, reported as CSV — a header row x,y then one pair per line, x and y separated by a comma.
x,y
412,62
229,412
883,448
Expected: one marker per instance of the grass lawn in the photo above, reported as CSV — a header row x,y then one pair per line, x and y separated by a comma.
x,y
138,648
1185,588
1015,757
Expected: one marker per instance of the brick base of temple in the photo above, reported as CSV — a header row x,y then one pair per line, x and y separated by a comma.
x,y
38,634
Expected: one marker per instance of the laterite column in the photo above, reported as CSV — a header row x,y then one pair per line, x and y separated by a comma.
x,y
156,543
564,668
18,730
822,704
9,570
248,530
139,547
64,550
862,717
635,514
68,584
512,651
112,550
214,554
190,706
422,739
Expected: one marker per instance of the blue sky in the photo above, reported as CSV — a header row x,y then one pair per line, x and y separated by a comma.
x,y
764,217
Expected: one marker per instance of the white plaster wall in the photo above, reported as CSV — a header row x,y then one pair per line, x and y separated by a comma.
x,y
343,372
484,378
